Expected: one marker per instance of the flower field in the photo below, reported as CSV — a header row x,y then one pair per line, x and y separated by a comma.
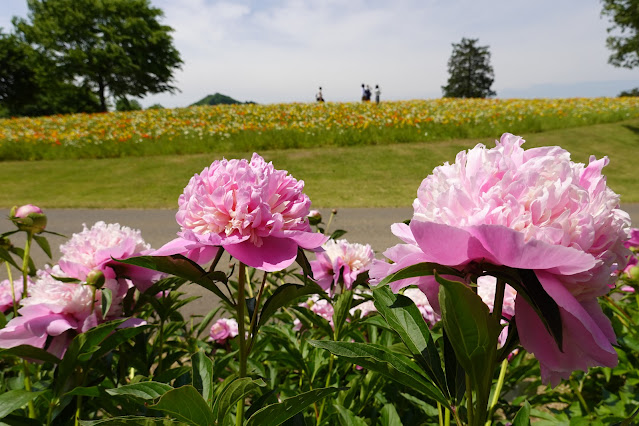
x,y
283,126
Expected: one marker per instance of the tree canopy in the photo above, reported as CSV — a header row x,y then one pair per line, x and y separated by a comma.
x,y
624,43
116,48
471,74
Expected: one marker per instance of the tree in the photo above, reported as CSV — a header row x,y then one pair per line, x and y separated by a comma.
x,y
31,85
124,104
471,74
117,48
624,15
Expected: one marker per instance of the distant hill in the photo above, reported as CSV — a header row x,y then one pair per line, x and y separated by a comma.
x,y
219,99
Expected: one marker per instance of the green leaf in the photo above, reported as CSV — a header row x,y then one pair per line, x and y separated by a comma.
x,y
419,270
182,267
275,414
348,418
389,416
142,390
15,399
232,393
428,409
187,405
202,375
44,245
384,361
283,296
473,333
523,416
337,233
342,306
107,298
118,337
81,344
4,255
455,374
302,260
131,421
30,352
402,315
92,391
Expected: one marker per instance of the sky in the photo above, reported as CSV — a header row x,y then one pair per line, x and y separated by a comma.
x,y
272,51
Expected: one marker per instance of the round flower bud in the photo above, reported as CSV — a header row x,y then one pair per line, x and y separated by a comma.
x,y
95,278
29,218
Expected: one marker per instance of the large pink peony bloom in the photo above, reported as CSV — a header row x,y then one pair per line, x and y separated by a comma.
x,y
94,249
254,211
530,209
341,260
58,311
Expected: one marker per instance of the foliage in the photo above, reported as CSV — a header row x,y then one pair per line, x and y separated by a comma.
x,y
115,47
284,126
124,104
471,74
631,92
624,43
31,85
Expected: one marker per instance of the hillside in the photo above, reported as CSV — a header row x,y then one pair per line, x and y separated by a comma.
x,y
218,99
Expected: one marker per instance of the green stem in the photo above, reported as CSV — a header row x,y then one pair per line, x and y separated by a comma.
x,y
446,417
328,382
13,291
254,317
440,412
576,389
498,387
241,301
52,405
328,225
161,345
499,300
469,400
78,409
25,364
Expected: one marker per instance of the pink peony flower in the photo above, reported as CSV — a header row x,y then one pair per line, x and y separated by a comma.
x,y
343,261
94,249
364,308
223,329
633,242
254,211
57,311
421,301
26,210
6,299
532,209
319,306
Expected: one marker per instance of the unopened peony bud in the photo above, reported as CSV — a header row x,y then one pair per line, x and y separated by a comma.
x,y
95,278
633,272
29,218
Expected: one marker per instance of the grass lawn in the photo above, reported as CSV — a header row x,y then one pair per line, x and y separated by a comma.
x,y
358,176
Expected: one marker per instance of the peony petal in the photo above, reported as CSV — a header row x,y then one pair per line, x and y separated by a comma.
x,y
176,246
273,255
306,240
445,244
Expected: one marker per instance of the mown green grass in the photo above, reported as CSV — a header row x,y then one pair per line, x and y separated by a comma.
x,y
358,176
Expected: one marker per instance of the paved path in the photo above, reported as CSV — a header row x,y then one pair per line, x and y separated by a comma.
x,y
363,225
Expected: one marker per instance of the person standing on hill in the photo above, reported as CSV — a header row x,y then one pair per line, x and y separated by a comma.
x,y
378,92
319,97
364,93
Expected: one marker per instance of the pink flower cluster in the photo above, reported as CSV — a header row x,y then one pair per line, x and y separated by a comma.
x,y
341,261
223,329
254,211
530,209
58,311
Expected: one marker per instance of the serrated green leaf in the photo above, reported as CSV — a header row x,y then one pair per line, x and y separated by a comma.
x,y
142,390
187,405
15,399
276,414
232,393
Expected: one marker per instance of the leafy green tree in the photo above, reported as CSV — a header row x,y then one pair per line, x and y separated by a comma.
x,y
124,104
117,48
624,15
31,85
471,74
